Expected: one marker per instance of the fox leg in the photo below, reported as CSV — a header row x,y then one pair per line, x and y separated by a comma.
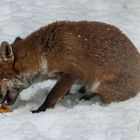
x,y
116,90
82,90
88,97
59,90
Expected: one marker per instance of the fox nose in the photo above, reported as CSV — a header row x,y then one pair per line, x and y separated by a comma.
x,y
1,99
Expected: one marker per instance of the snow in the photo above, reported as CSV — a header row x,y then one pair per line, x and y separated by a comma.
x,y
71,118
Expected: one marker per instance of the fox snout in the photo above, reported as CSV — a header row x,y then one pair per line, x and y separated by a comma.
x,y
8,95
1,98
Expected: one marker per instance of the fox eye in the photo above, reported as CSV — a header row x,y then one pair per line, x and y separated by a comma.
x,y
3,79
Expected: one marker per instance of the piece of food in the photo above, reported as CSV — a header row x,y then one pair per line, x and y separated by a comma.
x,y
4,108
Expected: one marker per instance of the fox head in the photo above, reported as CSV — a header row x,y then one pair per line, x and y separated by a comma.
x,y
7,72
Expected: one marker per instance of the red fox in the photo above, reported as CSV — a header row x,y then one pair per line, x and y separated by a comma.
x,y
96,55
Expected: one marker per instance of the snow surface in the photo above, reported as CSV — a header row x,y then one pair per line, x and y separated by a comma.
x,y
71,119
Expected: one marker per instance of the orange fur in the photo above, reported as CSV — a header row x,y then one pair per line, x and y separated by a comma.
x,y
88,51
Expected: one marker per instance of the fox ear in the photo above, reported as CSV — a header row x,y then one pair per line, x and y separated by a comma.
x,y
6,51
17,39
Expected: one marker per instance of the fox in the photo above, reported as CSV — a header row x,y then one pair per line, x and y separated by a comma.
x,y
97,55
